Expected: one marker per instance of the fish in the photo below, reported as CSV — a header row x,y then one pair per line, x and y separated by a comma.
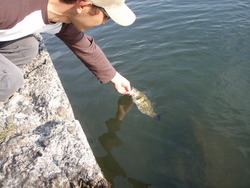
x,y
143,104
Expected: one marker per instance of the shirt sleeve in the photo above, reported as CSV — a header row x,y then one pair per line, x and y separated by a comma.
x,y
88,52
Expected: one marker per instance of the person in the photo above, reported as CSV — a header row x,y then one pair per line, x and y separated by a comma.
x,y
67,19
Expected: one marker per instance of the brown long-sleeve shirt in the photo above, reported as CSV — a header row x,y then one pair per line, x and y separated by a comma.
x,y
19,18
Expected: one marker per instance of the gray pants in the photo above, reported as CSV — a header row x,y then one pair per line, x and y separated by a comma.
x,y
14,54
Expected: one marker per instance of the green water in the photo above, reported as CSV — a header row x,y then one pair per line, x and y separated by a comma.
x,y
192,59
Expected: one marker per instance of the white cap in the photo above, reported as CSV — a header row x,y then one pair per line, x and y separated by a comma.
x,y
117,10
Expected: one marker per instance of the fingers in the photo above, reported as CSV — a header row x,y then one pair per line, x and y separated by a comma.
x,y
123,88
122,85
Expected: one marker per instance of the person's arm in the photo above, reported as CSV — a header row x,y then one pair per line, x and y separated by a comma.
x,y
93,57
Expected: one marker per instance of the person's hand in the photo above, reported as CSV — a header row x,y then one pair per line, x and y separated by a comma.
x,y
122,85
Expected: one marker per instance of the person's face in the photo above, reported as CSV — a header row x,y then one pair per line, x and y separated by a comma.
x,y
90,16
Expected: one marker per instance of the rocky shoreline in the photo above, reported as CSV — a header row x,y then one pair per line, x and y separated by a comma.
x,y
41,142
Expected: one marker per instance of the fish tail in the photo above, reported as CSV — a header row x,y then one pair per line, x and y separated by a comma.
x,y
158,116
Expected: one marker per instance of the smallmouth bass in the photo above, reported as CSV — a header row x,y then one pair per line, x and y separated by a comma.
x,y
143,104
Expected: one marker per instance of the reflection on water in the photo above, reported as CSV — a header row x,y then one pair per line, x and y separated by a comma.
x,y
110,140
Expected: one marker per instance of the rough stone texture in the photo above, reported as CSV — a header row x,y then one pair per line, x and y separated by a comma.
x,y
41,143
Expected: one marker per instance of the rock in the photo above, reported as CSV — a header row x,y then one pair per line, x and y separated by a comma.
x,y
41,142
71,129
62,111
10,120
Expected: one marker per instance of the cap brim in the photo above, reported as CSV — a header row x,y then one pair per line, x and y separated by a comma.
x,y
122,15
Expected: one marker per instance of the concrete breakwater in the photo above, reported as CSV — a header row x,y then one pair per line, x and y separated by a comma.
x,y
41,142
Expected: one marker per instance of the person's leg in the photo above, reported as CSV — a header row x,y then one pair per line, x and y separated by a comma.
x,y
14,53
11,78
21,51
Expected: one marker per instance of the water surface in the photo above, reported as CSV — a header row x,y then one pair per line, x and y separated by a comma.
x,y
192,59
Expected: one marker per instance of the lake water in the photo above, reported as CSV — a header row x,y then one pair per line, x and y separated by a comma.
x,y
192,59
